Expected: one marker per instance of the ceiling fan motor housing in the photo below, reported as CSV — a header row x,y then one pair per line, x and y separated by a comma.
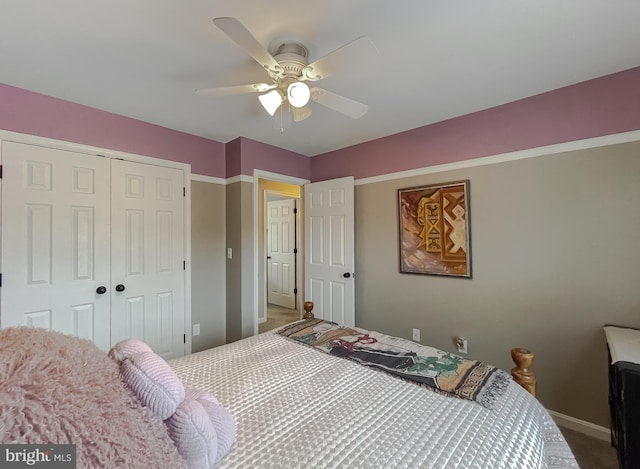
x,y
292,57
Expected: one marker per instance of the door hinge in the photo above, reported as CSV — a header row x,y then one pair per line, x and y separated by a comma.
x,y
295,291
295,250
0,280
184,265
0,171
184,338
184,192
295,209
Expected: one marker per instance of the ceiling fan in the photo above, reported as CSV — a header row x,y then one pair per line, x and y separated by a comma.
x,y
289,69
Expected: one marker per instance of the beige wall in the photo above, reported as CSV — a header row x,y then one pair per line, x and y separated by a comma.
x,y
240,269
208,268
556,255
248,277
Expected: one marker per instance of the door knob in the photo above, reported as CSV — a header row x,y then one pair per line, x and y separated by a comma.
x,y
346,275
101,290
120,287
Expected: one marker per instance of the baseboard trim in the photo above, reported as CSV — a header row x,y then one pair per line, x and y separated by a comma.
x,y
582,426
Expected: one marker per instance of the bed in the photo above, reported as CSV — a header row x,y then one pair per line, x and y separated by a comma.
x,y
296,407
278,402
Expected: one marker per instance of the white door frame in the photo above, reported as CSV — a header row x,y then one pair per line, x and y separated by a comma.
x,y
9,136
257,237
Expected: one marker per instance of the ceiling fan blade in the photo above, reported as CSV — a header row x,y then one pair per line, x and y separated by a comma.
x,y
341,58
239,89
338,103
300,113
241,36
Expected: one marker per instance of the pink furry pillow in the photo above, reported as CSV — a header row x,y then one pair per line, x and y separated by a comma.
x,y
222,420
193,434
56,388
154,382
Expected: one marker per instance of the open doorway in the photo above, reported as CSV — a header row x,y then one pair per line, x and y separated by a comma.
x,y
279,254
282,263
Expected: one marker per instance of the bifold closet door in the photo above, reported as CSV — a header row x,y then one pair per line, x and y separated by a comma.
x,y
147,252
55,241
93,247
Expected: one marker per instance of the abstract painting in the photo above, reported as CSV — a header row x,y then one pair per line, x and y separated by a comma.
x,y
435,229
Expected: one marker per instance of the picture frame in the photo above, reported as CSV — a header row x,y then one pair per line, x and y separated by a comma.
x,y
435,229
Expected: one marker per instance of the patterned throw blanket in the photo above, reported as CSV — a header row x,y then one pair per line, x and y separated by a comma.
x,y
426,366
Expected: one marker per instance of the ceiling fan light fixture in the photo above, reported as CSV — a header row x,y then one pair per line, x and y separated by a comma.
x,y
271,101
298,94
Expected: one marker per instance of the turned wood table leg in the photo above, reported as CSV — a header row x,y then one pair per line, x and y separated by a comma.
x,y
308,306
522,375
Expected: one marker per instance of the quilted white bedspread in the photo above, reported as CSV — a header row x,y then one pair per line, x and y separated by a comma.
x,y
296,407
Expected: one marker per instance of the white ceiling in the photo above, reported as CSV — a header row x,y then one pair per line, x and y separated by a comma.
x,y
436,59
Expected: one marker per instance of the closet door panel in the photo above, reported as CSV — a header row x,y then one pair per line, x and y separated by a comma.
x,y
147,229
55,241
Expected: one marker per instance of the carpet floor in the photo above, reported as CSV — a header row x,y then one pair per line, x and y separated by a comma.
x,y
591,453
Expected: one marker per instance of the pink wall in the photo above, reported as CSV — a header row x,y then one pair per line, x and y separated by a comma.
x,y
602,106
36,114
256,155
244,155
233,158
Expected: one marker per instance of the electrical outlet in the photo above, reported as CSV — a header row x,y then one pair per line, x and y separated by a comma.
x,y
461,344
196,329
416,335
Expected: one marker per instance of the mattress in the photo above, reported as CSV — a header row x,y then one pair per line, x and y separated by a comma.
x,y
296,407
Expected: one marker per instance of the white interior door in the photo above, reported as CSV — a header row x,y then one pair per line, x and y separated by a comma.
x,y
147,268
55,241
329,249
281,236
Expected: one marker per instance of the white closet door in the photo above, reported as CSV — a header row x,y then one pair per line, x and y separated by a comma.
x,y
147,236
55,241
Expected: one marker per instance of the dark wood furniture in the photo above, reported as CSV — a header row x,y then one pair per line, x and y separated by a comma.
x,y
624,394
